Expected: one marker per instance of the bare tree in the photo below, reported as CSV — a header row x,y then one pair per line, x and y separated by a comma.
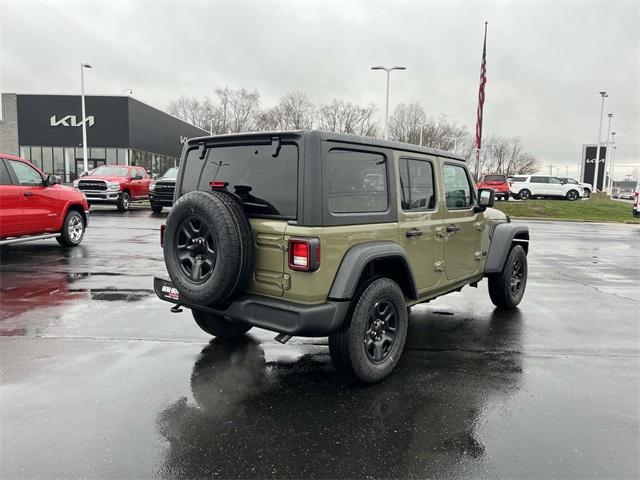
x,y
345,117
244,107
295,112
191,110
405,123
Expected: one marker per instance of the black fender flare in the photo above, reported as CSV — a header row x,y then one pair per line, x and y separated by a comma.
x,y
502,237
358,257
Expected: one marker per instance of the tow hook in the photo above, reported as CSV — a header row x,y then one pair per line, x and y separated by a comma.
x,y
282,338
176,308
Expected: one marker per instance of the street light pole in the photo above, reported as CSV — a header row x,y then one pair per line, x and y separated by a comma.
x,y
597,164
607,155
386,108
613,161
84,117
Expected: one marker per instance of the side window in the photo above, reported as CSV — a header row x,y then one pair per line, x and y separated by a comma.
x,y
416,182
555,181
539,180
5,179
356,182
142,172
132,173
26,175
519,179
457,190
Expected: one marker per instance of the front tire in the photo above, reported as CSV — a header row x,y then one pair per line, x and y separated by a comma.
x,y
587,193
73,229
219,326
124,202
506,288
369,343
156,208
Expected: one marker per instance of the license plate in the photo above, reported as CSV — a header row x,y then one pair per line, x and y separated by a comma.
x,y
166,291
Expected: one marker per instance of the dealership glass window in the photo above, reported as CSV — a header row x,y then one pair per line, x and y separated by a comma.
x,y
69,162
47,160
112,156
58,161
123,157
25,152
36,156
98,154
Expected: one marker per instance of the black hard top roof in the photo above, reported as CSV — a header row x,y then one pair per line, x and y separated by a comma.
x,y
336,137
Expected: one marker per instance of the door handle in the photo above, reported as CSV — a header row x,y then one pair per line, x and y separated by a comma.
x,y
452,228
414,232
28,194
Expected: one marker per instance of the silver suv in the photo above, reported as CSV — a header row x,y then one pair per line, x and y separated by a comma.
x,y
524,187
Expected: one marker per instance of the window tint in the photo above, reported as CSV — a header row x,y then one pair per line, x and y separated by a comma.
x,y
416,182
5,179
495,178
457,190
356,182
26,175
554,180
519,179
266,185
539,180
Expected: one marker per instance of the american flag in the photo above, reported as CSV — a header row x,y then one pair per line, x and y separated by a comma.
x,y
483,81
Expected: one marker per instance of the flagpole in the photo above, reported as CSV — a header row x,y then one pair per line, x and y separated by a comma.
x,y
483,81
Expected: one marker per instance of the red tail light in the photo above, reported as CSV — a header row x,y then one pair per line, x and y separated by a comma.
x,y
162,228
304,254
215,185
635,199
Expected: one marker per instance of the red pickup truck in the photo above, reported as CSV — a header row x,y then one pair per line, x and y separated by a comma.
x,y
34,206
498,183
115,185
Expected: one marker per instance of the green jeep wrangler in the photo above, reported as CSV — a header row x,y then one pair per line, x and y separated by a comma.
x,y
324,234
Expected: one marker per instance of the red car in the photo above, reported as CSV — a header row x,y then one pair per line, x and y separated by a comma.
x,y
115,185
498,183
34,206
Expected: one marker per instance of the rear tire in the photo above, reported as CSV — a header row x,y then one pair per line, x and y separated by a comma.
x,y
524,194
219,326
572,195
506,288
124,202
369,343
73,229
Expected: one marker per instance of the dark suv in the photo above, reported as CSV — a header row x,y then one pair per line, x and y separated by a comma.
x,y
161,190
324,234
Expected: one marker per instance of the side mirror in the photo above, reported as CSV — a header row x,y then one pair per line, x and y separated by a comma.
x,y
53,180
486,198
84,174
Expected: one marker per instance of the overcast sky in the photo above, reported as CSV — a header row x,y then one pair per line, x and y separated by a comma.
x,y
546,61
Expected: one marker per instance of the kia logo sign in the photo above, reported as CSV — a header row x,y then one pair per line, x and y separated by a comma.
x,y
71,121
183,140
593,160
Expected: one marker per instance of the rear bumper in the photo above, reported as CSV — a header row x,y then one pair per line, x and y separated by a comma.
x,y
271,314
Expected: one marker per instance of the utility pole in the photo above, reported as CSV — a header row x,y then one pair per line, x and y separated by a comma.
x,y
551,169
84,117
597,163
611,146
566,174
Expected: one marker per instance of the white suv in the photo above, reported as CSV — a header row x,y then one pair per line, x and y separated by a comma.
x,y
587,188
524,187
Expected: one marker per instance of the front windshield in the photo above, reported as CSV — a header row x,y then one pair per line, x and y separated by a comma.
x,y
171,174
111,171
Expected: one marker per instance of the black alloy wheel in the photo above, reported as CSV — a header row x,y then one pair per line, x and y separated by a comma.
x,y
572,195
524,194
380,331
517,277
195,249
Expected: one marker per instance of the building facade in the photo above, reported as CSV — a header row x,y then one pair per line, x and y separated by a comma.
x,y
47,130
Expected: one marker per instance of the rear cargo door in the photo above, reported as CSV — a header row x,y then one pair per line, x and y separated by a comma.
x,y
268,275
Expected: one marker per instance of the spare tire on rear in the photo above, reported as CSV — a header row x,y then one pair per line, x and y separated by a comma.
x,y
208,248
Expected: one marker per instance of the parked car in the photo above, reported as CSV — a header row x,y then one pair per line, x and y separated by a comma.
x,y
496,182
115,185
161,190
305,233
636,201
35,206
626,196
524,187
587,188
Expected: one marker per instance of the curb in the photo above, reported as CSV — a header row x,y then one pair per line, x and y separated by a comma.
x,y
574,220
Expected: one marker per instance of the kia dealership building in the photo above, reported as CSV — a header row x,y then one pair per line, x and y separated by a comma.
x,y
47,130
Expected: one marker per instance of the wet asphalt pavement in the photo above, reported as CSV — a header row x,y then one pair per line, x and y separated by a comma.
x,y
100,380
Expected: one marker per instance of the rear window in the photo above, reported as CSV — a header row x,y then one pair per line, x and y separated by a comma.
x,y
495,178
356,182
266,185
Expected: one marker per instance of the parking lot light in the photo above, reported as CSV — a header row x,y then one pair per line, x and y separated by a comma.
x,y
386,109
84,65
